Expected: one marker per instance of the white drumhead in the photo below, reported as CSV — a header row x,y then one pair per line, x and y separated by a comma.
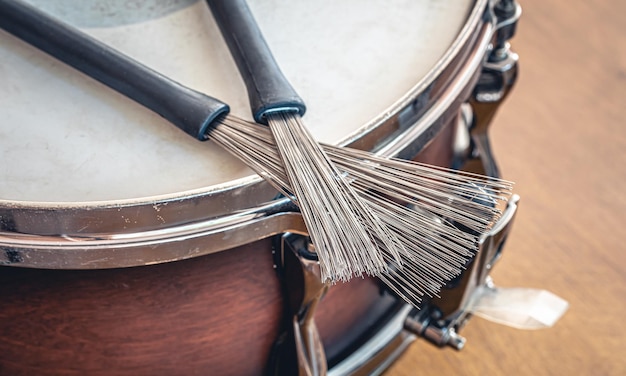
x,y
66,138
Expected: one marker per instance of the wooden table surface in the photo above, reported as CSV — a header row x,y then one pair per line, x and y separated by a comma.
x,y
561,136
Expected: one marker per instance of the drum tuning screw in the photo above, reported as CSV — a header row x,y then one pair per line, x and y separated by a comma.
x,y
507,13
505,8
455,340
438,335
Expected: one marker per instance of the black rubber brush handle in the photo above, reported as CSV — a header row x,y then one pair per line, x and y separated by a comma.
x,y
268,88
189,110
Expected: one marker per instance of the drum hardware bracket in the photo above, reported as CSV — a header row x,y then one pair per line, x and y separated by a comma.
x,y
439,324
500,70
498,76
299,349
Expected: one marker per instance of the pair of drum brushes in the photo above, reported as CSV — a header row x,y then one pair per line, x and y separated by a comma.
x,y
411,225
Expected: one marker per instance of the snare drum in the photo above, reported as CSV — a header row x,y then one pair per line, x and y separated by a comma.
x,y
130,248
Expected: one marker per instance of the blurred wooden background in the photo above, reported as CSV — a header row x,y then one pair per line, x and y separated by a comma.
x,y
561,136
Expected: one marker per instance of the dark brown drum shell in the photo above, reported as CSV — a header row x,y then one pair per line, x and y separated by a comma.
x,y
217,314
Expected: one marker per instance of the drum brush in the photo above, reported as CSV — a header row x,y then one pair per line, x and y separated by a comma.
x,y
435,214
438,214
339,223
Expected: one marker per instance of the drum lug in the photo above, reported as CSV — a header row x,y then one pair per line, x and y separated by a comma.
x,y
498,76
299,349
494,85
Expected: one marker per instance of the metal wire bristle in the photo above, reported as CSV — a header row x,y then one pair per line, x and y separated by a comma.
x,y
349,238
436,214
